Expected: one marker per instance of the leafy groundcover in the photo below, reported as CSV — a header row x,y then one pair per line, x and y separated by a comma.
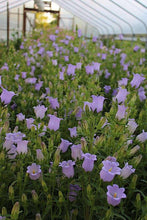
x,y
73,128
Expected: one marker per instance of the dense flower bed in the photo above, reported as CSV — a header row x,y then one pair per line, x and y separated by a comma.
x,y
73,127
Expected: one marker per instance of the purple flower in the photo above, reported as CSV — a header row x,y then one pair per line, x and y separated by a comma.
x,y
34,171
52,37
31,80
123,82
73,192
20,117
53,102
121,95
76,49
97,103
115,194
40,111
121,37
141,94
73,131
136,48
54,122
121,112
38,85
96,66
61,75
107,89
29,122
12,152
67,168
94,39
88,163
142,137
79,65
22,147
64,145
49,53
107,74
79,114
132,125
137,80
41,51
104,55
6,96
109,170
89,69
76,151
54,62
39,154
23,75
79,33
71,70
5,67
126,171
87,104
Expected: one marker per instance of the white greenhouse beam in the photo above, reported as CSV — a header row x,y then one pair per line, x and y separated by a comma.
x,y
11,4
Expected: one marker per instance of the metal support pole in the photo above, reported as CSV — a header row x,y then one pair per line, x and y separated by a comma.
x,y
24,22
18,22
8,22
58,19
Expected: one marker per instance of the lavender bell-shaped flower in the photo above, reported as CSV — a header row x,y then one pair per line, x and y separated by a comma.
x,y
34,171
53,102
6,96
97,103
142,137
76,151
40,111
137,80
54,122
67,168
64,145
88,163
141,94
127,171
132,125
109,170
20,117
22,147
121,113
121,95
73,131
115,194
39,154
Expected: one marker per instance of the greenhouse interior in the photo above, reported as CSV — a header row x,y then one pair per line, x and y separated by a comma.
x,y
73,110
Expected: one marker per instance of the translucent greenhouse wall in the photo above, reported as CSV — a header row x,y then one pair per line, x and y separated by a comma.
x,y
16,22
109,17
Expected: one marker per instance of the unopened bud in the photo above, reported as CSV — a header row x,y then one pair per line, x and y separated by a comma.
x,y
35,196
4,211
83,143
38,216
61,197
15,211
24,198
138,201
2,156
44,186
133,182
108,214
57,157
85,125
134,150
137,159
11,192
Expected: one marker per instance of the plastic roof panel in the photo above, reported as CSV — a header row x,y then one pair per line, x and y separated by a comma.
x,y
113,16
11,3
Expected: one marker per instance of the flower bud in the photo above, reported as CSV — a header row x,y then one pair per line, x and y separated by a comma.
x,y
38,216
4,211
137,159
61,197
138,201
11,192
24,198
57,157
83,143
134,150
44,186
15,211
35,196
133,182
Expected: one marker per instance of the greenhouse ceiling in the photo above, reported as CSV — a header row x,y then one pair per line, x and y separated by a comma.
x,y
110,16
